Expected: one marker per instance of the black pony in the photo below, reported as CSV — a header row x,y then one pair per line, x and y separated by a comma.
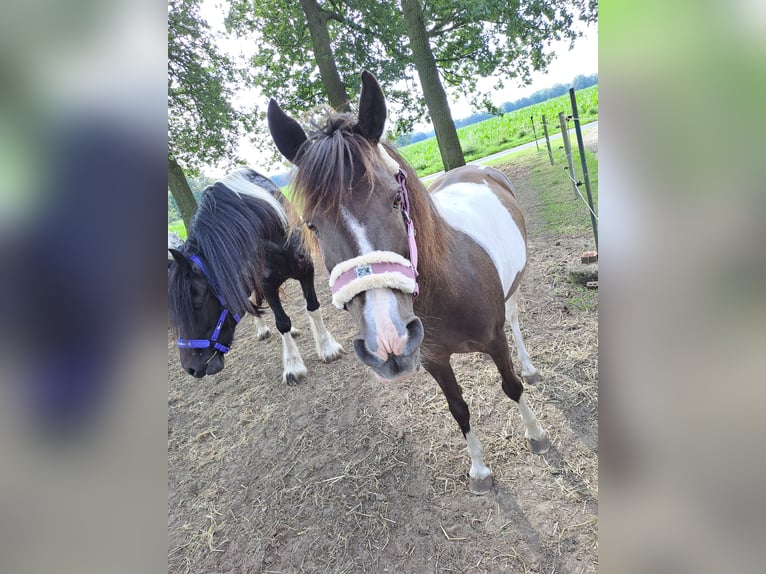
x,y
240,250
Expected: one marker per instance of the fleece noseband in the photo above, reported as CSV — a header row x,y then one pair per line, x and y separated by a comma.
x,y
379,269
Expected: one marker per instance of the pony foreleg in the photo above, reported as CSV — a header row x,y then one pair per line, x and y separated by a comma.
x,y
328,349
293,369
528,371
262,329
480,476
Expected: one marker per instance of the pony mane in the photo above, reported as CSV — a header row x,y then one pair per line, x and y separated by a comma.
x,y
235,218
326,173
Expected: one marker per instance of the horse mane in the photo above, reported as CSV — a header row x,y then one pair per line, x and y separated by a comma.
x,y
235,218
326,173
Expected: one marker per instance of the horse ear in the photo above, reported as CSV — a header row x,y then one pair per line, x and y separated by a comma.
x,y
372,108
180,258
287,134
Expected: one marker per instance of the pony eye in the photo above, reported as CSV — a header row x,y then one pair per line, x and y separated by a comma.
x,y
312,227
398,200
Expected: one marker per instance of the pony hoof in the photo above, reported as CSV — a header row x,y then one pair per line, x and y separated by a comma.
x,y
480,486
292,379
533,379
295,332
539,446
263,335
333,356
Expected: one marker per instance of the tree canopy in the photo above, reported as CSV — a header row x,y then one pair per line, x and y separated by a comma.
x,y
203,126
469,39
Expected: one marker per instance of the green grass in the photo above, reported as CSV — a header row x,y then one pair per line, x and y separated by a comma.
x,y
583,298
497,134
563,212
178,227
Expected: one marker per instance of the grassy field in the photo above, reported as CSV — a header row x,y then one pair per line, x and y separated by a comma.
x,y
564,212
510,130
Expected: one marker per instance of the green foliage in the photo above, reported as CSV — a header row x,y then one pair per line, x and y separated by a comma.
x,y
284,65
470,39
173,213
203,127
509,130
179,228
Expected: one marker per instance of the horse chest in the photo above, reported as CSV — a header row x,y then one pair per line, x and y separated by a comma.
x,y
477,212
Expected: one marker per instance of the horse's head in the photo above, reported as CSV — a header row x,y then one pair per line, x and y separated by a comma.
x,y
348,190
205,328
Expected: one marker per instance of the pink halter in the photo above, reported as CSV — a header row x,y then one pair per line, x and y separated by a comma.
x,y
379,269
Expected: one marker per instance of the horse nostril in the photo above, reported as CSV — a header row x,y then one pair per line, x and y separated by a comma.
x,y
414,336
190,371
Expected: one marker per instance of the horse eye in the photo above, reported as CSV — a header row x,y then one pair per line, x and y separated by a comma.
x,y
398,200
312,227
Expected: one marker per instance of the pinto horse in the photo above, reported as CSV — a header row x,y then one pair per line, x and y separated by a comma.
x,y
240,250
423,275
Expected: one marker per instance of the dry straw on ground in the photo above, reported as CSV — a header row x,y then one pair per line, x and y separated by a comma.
x,y
345,474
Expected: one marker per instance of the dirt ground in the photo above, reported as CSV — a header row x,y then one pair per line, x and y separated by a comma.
x,y
344,474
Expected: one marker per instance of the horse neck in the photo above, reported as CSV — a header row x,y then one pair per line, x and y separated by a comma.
x,y
435,240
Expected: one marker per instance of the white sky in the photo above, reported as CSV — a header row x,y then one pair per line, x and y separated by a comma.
x,y
582,59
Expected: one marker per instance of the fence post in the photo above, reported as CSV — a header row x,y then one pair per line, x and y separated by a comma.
x,y
534,131
586,177
547,140
568,152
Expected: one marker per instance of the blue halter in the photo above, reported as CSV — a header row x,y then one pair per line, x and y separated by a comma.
x,y
213,340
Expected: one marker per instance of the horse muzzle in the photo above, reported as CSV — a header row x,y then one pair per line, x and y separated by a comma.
x,y
212,366
391,356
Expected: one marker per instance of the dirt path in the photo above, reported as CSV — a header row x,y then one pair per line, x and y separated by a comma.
x,y
344,474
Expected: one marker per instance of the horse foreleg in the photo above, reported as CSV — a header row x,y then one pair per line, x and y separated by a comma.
x,y
480,476
536,436
327,348
262,329
528,371
293,369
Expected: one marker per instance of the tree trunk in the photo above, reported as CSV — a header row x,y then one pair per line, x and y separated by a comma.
x,y
320,39
181,191
433,91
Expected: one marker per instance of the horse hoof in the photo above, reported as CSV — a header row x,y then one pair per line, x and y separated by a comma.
x,y
533,379
263,335
333,356
295,332
292,379
480,486
540,446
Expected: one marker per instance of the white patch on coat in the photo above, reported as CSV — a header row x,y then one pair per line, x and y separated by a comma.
x,y
292,362
381,313
478,469
473,209
358,231
327,348
240,184
512,316
533,430
262,329
380,309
